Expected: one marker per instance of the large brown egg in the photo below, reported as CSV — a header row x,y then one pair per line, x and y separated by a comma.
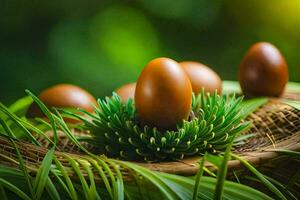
x,y
263,71
126,92
201,77
163,94
63,96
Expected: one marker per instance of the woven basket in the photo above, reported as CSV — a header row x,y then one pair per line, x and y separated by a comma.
x,y
275,126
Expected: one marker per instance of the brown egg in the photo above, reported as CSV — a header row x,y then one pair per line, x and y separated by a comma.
x,y
126,91
163,94
202,76
263,71
63,96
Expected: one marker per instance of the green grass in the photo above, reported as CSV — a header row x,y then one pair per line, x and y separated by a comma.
x,y
77,177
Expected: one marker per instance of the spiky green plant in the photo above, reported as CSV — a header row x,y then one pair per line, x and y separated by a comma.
x,y
73,177
116,130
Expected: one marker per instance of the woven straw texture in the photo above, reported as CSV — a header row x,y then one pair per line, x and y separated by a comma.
x,y
275,126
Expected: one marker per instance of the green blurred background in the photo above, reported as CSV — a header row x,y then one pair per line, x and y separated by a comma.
x,y
100,45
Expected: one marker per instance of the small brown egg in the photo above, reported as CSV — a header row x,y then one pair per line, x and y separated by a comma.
x,y
126,92
163,94
263,71
202,76
63,96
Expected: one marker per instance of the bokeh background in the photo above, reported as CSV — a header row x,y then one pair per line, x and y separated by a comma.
x,y
100,45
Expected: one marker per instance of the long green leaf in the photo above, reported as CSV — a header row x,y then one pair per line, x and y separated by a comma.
x,y
92,189
216,160
3,193
119,193
21,161
110,174
102,175
293,180
77,170
230,87
71,190
231,190
35,129
155,179
249,106
198,177
14,118
293,103
222,172
14,189
52,191
47,112
182,186
262,178
293,87
287,152
42,174
20,106
234,87
283,189
64,127
61,182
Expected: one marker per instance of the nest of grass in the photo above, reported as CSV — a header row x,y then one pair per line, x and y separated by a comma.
x,y
275,126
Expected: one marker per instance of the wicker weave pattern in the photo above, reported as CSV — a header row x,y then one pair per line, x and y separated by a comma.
x,y
275,125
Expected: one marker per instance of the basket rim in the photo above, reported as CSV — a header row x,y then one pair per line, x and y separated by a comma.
x,y
189,166
185,167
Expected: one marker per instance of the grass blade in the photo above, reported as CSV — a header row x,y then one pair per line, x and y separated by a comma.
x,y
20,158
110,174
3,193
216,160
234,87
119,192
293,180
42,174
92,189
286,152
249,106
102,175
198,177
64,127
35,129
47,112
20,106
222,172
14,118
261,177
293,103
76,168
230,87
231,190
62,183
52,191
293,87
155,179
286,192
72,191
14,189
